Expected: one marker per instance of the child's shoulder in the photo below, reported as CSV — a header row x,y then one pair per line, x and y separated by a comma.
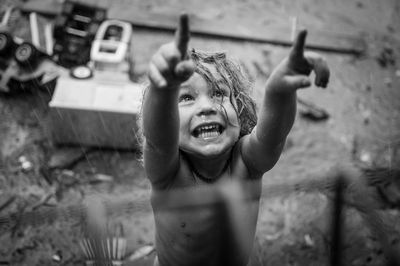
x,y
238,164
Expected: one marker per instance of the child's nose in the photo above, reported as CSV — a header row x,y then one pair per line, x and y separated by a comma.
x,y
206,106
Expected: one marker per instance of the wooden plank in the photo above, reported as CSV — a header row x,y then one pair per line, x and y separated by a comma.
x,y
277,34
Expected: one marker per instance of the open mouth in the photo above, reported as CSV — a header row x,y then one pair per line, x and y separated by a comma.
x,y
208,131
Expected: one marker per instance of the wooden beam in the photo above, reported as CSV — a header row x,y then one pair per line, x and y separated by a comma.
x,y
277,34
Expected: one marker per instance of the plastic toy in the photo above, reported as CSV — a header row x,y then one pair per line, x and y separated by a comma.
x,y
25,65
74,31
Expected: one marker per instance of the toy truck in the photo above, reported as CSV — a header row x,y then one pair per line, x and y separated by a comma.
x,y
74,30
25,65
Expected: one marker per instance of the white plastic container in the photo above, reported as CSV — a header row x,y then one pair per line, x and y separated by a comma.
x,y
100,111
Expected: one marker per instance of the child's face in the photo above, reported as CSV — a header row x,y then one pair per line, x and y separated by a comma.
x,y
209,125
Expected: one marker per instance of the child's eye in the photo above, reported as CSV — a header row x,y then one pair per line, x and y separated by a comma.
x,y
220,93
185,98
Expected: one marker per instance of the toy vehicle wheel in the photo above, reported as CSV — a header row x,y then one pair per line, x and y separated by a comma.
x,y
6,43
26,54
81,72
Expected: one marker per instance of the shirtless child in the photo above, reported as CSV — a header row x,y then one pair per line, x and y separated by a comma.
x,y
200,130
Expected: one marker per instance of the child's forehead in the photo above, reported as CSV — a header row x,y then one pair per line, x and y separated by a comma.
x,y
214,69
199,81
214,74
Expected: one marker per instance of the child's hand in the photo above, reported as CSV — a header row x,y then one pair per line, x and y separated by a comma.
x,y
292,73
170,66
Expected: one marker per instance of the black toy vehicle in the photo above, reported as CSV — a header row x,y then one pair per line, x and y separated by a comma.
x,y
24,65
74,31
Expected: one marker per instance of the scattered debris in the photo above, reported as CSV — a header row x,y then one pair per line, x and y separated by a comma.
x,y
141,252
67,157
7,202
386,57
46,174
365,157
390,191
98,178
57,257
25,164
309,241
67,177
311,111
273,237
43,201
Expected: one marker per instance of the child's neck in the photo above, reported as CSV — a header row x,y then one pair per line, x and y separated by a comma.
x,y
209,169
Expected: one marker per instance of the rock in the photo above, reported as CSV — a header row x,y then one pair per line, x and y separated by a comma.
x,y
311,111
56,258
365,157
309,241
386,57
26,165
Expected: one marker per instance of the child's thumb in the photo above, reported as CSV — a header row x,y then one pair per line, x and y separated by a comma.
x,y
184,70
297,82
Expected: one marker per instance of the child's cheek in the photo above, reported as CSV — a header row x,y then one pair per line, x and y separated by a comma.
x,y
233,112
184,121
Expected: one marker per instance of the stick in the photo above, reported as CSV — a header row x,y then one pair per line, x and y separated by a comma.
x,y
337,220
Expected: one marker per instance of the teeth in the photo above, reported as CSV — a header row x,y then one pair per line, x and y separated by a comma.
x,y
208,134
208,128
208,131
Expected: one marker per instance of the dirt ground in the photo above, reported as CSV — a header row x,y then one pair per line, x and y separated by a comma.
x,y
362,99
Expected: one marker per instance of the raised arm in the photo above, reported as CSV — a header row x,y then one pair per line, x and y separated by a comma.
x,y
262,148
168,68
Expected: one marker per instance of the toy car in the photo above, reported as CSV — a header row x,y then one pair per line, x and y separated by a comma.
x,y
111,44
25,65
109,52
74,31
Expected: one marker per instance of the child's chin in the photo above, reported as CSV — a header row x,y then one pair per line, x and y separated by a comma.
x,y
210,151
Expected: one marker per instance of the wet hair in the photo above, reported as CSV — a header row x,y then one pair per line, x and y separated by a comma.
x,y
233,77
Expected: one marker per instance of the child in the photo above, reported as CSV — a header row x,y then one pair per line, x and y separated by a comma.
x,y
199,131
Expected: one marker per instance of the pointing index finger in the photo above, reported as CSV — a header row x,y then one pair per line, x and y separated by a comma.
x,y
298,45
182,34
